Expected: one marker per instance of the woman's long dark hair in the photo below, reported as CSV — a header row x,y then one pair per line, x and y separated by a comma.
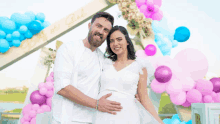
x,y
110,54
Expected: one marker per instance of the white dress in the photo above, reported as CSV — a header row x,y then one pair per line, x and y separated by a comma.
x,y
123,86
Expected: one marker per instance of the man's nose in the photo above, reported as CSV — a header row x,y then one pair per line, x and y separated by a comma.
x,y
101,31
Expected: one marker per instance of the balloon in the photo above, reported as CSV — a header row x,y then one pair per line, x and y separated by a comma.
x,y
40,16
22,37
33,121
2,19
9,37
31,15
4,45
158,15
40,110
188,83
175,121
8,26
22,120
49,101
189,122
32,113
16,43
178,99
167,121
216,84
174,87
41,85
35,107
186,104
26,109
26,122
163,74
34,27
176,116
158,87
182,34
207,99
213,94
45,24
2,34
23,29
141,54
27,117
49,93
174,43
183,122
16,35
52,74
150,50
28,34
193,62
49,85
140,2
49,79
193,96
43,91
217,98
143,8
20,19
37,98
157,2
204,86
45,108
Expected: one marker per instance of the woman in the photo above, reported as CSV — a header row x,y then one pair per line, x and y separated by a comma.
x,y
124,75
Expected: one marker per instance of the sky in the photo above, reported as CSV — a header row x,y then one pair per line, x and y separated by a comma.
x,y
199,16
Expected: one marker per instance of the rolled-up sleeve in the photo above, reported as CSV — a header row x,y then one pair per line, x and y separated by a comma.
x,y
63,67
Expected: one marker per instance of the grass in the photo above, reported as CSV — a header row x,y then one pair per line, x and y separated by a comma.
x,y
12,97
12,116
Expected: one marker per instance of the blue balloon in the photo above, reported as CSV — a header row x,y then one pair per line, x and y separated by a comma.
x,y
2,19
20,19
40,16
16,35
167,121
176,116
175,121
23,29
9,37
174,44
182,34
16,43
8,26
28,34
2,34
31,15
189,122
183,122
4,46
22,37
10,44
34,27
45,24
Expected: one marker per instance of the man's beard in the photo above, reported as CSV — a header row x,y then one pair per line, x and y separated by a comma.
x,y
95,42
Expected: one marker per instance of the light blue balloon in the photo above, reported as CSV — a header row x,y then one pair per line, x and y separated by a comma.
x,y
16,35
175,116
167,121
175,121
4,46
22,37
189,122
2,34
28,34
16,43
10,44
45,24
20,19
174,44
23,29
9,37
2,19
183,122
182,34
8,26
40,16
31,15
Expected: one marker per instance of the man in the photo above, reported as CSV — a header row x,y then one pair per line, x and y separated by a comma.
x,y
75,104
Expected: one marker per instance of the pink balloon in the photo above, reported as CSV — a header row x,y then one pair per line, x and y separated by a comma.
x,y
174,87
157,2
157,16
149,2
52,74
158,87
204,86
43,90
49,85
41,85
217,98
141,54
33,121
49,101
178,99
27,117
32,113
194,96
213,94
26,109
26,122
40,111
147,14
22,120
49,93
194,62
188,83
35,107
140,2
45,108
49,79
207,99
150,50
143,8
186,104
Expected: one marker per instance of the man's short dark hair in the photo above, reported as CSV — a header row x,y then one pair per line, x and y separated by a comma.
x,y
106,15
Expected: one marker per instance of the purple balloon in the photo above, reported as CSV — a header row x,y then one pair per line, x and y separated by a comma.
x,y
163,74
150,50
37,98
216,84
